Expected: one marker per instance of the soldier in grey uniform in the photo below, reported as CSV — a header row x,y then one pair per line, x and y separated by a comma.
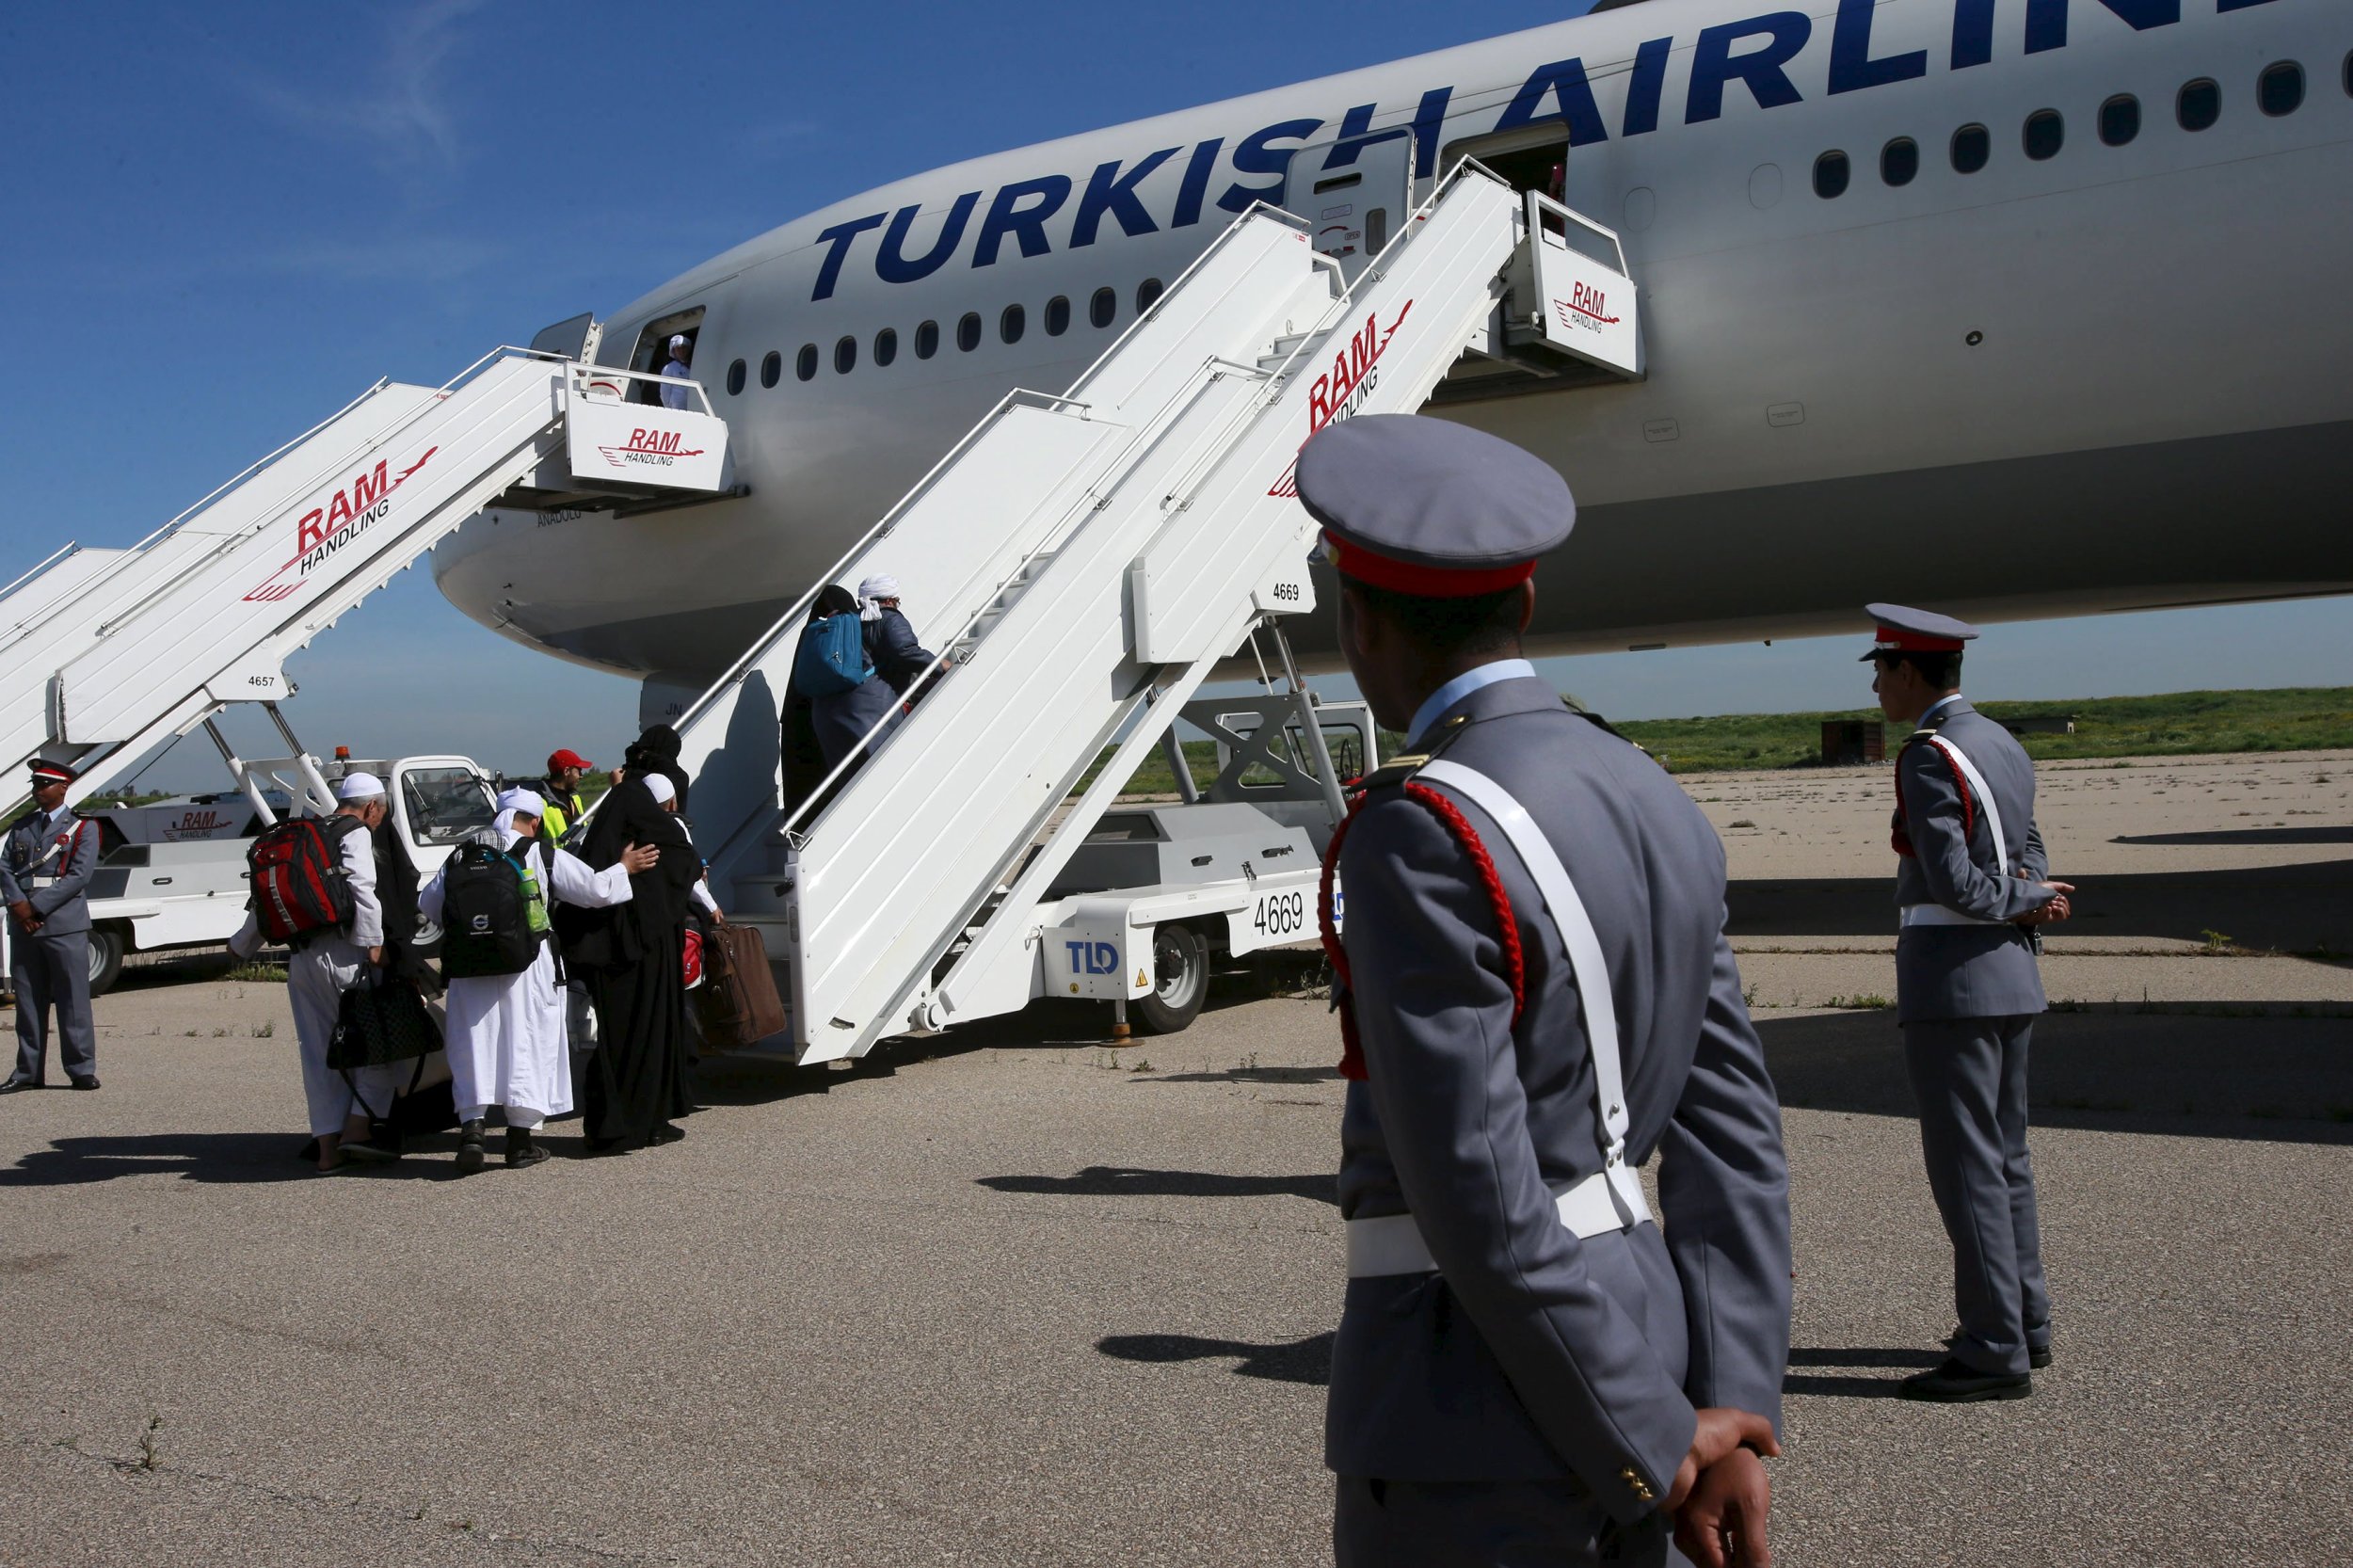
x,y
1536,995
1972,881
45,868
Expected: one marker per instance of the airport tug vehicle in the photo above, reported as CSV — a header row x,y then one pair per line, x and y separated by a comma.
x,y
171,873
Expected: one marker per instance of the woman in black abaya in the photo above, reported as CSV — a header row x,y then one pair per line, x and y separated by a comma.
x,y
631,956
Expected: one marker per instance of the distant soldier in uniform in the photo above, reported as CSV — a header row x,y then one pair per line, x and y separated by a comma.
x,y
1971,882
1536,995
45,869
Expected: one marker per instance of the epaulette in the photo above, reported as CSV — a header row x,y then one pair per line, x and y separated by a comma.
x,y
1599,723
1396,770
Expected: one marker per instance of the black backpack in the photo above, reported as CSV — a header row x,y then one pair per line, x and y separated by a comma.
x,y
493,909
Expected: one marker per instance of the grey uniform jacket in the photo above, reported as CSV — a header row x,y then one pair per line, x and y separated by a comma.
x,y
1532,1355
1967,971
61,904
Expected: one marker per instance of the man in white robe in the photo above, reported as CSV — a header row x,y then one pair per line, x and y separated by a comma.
x,y
506,1036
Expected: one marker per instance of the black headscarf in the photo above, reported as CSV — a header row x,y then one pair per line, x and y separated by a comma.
x,y
659,898
656,751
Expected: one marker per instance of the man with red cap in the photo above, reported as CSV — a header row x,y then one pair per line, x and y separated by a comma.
x,y
1536,996
560,790
46,867
1971,882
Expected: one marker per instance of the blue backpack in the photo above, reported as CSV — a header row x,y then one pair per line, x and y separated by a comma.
x,y
832,657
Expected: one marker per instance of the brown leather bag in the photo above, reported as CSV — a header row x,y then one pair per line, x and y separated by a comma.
x,y
737,1003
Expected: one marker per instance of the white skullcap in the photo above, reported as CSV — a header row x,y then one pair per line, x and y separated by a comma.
x,y
881,585
659,786
678,340
359,786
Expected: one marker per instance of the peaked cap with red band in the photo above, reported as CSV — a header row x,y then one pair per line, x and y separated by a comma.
x,y
1430,507
46,771
1904,630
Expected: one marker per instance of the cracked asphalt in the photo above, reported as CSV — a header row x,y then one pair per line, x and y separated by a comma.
x,y
1015,1298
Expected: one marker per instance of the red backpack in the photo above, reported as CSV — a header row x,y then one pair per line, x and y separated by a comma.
x,y
299,884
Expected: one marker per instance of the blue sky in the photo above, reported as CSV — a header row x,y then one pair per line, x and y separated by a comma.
x,y
235,218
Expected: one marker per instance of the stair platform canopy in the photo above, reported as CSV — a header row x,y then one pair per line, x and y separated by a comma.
x,y
1083,561
105,654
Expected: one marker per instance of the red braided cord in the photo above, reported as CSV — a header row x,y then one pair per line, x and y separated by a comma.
x,y
1515,961
1902,837
1352,1049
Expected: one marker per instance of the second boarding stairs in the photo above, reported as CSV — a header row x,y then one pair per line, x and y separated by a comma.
x,y
105,654
1084,561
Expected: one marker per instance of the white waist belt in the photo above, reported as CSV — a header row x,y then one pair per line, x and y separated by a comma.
x,y
1392,1243
1936,914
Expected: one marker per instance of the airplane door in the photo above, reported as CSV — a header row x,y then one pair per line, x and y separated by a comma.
x,y
1355,195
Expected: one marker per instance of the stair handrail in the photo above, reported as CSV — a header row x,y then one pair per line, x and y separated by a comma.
x,y
372,443
44,565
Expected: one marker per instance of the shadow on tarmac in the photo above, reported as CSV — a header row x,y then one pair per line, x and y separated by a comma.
x,y
1307,1360
2257,1070
1118,1180
230,1157
2295,908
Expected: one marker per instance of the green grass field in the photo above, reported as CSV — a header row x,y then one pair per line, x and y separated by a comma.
x,y
2288,718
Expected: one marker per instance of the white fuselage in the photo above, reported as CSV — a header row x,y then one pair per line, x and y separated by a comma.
x,y
2105,378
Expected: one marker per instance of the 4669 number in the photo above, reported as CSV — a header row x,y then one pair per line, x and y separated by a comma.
x,y
1279,914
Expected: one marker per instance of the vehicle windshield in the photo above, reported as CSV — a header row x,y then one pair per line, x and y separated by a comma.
x,y
445,804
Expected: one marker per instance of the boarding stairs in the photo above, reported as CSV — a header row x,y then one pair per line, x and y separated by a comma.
x,y
1093,557
105,654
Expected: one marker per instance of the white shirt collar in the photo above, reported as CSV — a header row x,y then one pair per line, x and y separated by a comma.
x,y
1460,687
1929,712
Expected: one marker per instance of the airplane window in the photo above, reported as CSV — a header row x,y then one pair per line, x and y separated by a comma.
x,y
1899,161
1105,305
1831,172
735,379
1148,294
886,346
1972,146
2199,106
2045,133
927,340
770,368
2281,88
1010,325
968,331
1057,316
2120,120
804,365
845,356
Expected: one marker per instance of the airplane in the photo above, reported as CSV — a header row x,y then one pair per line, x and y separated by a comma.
x,y
2023,308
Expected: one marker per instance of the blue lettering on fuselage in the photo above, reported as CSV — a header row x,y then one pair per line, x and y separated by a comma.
x,y
1753,54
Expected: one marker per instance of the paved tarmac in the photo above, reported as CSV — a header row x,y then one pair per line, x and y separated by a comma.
x,y
1014,1298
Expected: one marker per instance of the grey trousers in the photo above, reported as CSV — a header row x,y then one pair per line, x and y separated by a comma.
x,y
52,970
1969,1075
1491,1523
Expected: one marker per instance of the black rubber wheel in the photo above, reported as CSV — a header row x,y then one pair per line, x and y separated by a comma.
x,y
1182,960
108,945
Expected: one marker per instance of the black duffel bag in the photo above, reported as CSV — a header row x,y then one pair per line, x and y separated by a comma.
x,y
383,1021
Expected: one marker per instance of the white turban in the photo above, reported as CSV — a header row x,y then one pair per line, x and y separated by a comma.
x,y
514,803
879,586
359,786
659,786
678,342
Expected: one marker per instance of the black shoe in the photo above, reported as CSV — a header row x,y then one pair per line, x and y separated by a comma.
x,y
17,1085
668,1132
598,1147
1955,1382
470,1155
2038,1356
89,1082
520,1150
